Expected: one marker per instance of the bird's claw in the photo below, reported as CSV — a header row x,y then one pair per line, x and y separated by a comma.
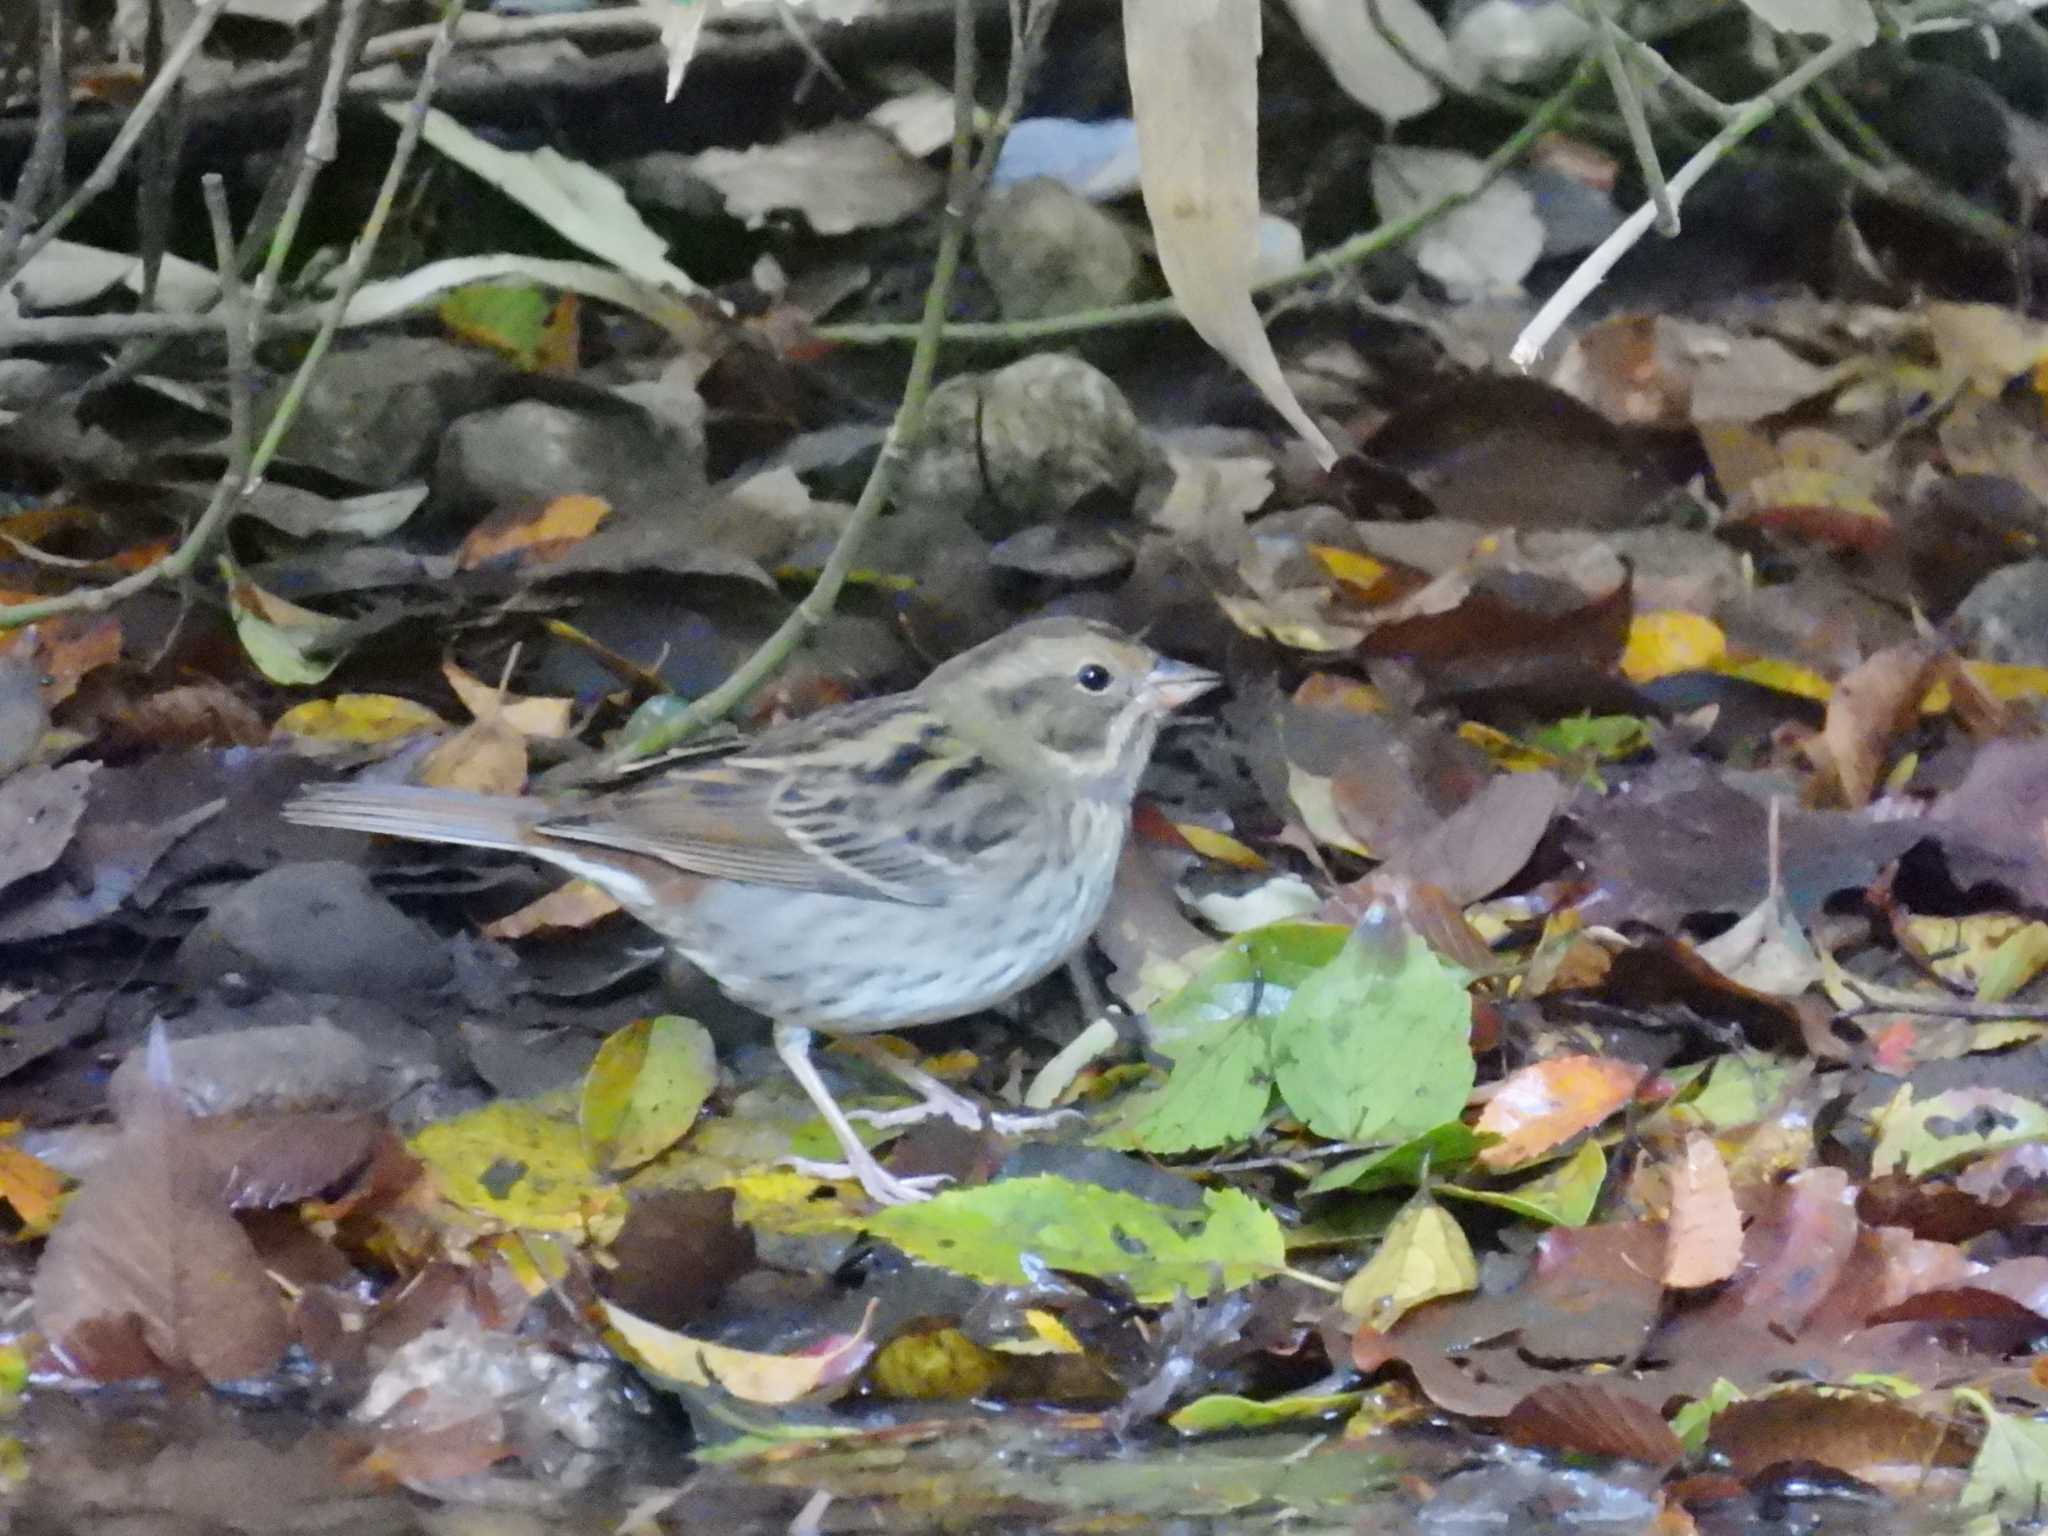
x,y
964,1113
877,1182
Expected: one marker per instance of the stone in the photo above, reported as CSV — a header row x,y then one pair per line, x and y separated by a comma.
x,y
1046,250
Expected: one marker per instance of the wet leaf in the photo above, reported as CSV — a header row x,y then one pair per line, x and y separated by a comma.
x,y
643,1092
545,717
1424,1255
32,1188
676,1359
938,1365
1585,1419
519,1163
2010,1473
1153,1250
1376,1044
1222,1413
1705,1237
1663,643
1562,1197
1547,1103
566,909
1921,1135
1440,1152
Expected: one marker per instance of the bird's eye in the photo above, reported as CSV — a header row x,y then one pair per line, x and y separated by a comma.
x,y
1093,677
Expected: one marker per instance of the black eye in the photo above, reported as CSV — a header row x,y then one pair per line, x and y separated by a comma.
x,y
1093,677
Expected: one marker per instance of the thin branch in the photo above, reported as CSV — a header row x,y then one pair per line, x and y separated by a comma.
x,y
1630,101
239,327
234,487
1338,258
316,153
108,171
46,156
965,178
1754,114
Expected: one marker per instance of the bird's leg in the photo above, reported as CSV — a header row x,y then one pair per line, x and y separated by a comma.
x,y
793,1045
937,1101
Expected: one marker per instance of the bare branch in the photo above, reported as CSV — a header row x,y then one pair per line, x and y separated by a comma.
x,y
53,106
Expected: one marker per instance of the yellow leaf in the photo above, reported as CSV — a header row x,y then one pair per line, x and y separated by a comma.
x,y
1353,569
937,1366
357,719
2014,963
32,1187
1219,846
520,1163
2008,680
1784,676
753,1377
542,535
1508,752
1669,641
1423,1256
644,1089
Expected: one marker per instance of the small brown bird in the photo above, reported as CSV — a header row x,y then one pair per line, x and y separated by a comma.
x,y
885,863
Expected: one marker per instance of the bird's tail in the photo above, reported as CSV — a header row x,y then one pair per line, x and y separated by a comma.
x,y
428,815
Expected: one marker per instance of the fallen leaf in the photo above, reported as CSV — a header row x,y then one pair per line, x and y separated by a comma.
x,y
535,535
1704,1243
1545,1104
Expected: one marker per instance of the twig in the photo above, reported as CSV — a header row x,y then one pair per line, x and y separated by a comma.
x,y
53,105
323,138
1630,101
240,328
1328,263
108,170
234,487
964,178
1754,114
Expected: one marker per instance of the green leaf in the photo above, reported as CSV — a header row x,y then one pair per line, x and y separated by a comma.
x,y
510,317
1443,1150
1156,1251
1374,1046
1692,1422
288,644
643,1090
1563,1197
1220,1412
1921,1136
1215,1031
1601,736
1742,1088
2010,1474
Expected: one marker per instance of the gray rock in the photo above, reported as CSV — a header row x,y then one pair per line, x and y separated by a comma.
x,y
2005,618
375,412
534,451
1047,250
317,927
1029,444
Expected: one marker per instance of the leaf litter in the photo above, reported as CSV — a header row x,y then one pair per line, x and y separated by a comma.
x,y
1646,758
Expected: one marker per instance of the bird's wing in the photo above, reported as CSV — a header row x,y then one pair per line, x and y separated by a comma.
x,y
865,802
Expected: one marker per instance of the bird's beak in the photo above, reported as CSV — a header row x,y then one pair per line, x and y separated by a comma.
x,y
1174,683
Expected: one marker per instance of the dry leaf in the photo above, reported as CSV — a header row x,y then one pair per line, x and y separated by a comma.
x,y
1704,1244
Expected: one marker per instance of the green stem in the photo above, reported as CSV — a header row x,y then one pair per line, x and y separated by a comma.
x,y
1337,259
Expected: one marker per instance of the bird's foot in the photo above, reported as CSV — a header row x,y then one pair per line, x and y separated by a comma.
x,y
942,1103
877,1182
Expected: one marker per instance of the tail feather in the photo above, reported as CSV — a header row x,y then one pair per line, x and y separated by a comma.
x,y
428,815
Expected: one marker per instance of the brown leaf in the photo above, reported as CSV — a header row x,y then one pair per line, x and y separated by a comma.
x,y
203,714
486,757
1868,1435
1584,1419
148,1242
1869,708
1704,1243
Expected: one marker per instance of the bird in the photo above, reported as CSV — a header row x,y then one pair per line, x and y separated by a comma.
x,y
879,864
